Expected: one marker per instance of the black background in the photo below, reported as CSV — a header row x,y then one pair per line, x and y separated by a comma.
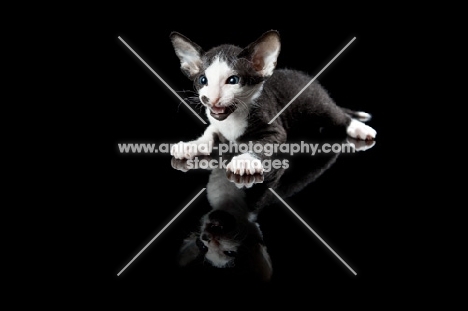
x,y
364,206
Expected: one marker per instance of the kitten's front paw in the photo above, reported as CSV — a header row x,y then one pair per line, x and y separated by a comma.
x,y
359,130
246,181
189,150
183,150
245,164
180,165
185,165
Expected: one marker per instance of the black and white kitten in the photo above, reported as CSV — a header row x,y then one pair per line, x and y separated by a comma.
x,y
229,235
243,92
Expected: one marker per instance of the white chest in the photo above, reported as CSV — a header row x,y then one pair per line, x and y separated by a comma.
x,y
232,127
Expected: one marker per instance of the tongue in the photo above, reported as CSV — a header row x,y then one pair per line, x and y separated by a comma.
x,y
217,109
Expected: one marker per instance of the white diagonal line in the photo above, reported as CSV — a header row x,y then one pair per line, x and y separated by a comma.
x,y
167,85
308,227
294,98
162,230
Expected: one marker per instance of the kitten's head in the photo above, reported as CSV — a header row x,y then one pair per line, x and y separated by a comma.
x,y
228,78
226,240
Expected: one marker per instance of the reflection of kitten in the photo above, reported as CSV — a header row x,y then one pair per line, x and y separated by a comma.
x,y
229,235
243,92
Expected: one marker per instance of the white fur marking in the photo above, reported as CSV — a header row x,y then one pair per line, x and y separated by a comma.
x,y
244,96
217,74
233,126
359,130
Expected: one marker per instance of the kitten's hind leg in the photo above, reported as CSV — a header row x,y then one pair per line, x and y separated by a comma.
x,y
357,129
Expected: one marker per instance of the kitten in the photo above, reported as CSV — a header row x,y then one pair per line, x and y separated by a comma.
x,y
243,92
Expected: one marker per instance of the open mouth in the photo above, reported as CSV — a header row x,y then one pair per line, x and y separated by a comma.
x,y
221,113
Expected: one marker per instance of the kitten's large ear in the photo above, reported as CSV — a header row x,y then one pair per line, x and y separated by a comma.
x,y
263,53
189,251
189,54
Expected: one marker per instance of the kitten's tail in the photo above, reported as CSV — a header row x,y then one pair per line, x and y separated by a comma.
x,y
359,115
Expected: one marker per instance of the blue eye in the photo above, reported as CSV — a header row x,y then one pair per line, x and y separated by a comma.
x,y
233,80
203,79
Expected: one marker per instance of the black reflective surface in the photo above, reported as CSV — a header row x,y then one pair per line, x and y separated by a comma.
x,y
350,200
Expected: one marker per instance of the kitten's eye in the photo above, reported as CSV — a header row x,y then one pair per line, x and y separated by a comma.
x,y
233,80
231,253
203,79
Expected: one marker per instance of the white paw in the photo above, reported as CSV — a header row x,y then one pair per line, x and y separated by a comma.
x,y
180,165
189,150
246,181
359,130
245,164
183,150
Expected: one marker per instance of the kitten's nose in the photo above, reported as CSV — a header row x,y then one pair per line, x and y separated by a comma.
x,y
214,101
211,102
